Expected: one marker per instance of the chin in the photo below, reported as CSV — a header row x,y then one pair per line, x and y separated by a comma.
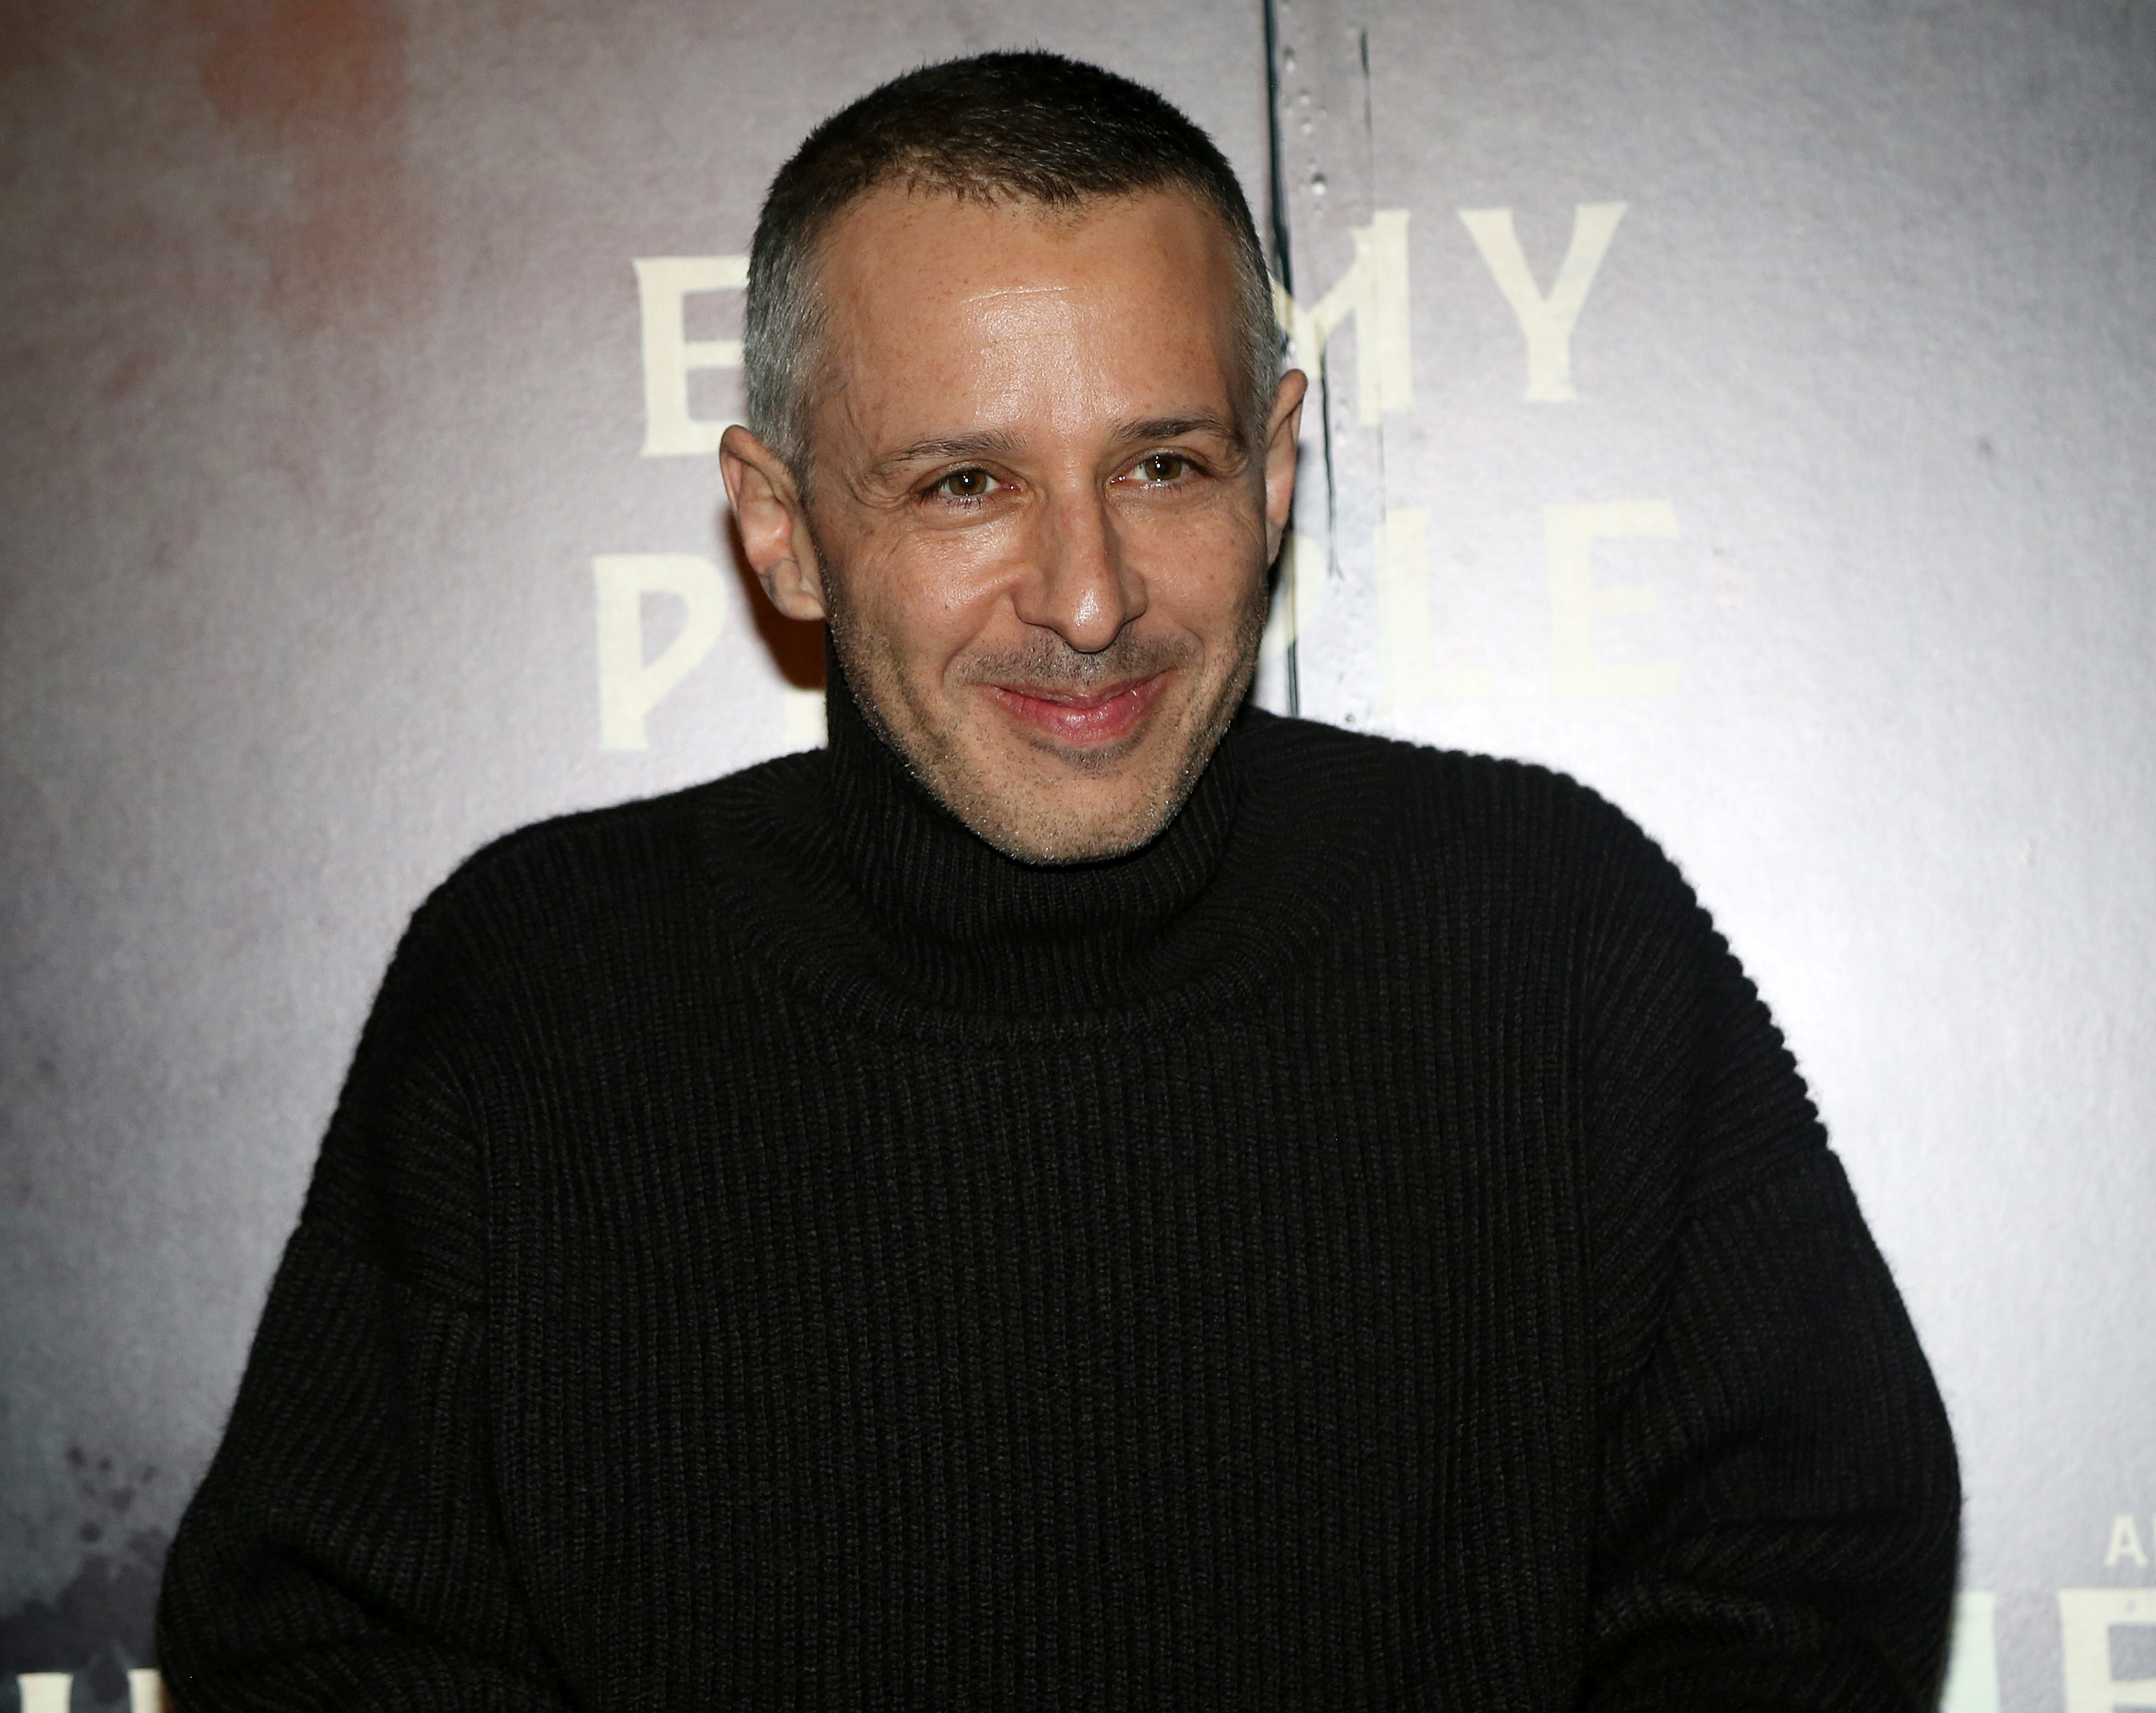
x,y
1052,806
1067,848
1041,826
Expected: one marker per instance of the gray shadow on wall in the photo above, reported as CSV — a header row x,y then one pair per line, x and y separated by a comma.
x,y
796,645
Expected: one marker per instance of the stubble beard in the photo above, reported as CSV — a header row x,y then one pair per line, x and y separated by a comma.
x,y
1023,810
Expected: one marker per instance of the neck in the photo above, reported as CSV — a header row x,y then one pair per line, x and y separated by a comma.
x,y
969,925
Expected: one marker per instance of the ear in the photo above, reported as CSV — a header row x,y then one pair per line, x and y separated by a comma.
x,y
774,524
1282,434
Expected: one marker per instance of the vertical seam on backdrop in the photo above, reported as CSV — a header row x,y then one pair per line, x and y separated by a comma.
x,y
1277,193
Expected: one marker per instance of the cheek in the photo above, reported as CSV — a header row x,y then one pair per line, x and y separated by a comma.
x,y
928,600
1202,564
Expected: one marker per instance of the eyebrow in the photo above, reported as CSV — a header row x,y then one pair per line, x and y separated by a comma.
x,y
990,441
1175,427
985,445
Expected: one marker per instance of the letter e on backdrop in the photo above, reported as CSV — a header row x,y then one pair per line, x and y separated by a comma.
x,y
664,284
1576,600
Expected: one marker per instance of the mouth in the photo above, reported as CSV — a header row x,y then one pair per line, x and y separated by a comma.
x,y
1091,720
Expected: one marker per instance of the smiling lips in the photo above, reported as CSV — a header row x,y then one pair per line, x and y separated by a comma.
x,y
1086,721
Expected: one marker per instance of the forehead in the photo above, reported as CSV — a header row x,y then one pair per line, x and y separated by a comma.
x,y
984,303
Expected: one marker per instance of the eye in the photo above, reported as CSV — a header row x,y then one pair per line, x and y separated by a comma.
x,y
1162,466
965,484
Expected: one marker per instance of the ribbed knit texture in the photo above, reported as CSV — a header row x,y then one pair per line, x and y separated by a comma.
x,y
1370,1249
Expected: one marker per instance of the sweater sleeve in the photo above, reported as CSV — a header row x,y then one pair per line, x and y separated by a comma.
x,y
1779,1499
342,1553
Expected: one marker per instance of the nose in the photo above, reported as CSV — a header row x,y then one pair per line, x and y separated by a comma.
x,y
1078,585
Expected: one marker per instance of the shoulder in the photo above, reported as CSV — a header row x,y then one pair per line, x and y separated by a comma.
x,y
597,890
1469,815
1509,860
1542,886
608,857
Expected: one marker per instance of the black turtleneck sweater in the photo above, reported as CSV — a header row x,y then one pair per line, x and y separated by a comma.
x,y
1369,1249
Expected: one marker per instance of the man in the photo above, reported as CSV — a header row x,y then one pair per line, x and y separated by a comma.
x,y
1082,1194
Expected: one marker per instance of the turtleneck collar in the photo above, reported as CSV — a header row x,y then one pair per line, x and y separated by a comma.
x,y
967,926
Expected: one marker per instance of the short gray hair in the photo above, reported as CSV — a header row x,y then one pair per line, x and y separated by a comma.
x,y
1027,127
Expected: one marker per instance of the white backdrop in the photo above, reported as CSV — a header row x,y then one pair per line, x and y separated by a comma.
x,y
1743,407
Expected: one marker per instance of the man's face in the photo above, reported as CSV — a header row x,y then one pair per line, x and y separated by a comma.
x,y
1038,534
